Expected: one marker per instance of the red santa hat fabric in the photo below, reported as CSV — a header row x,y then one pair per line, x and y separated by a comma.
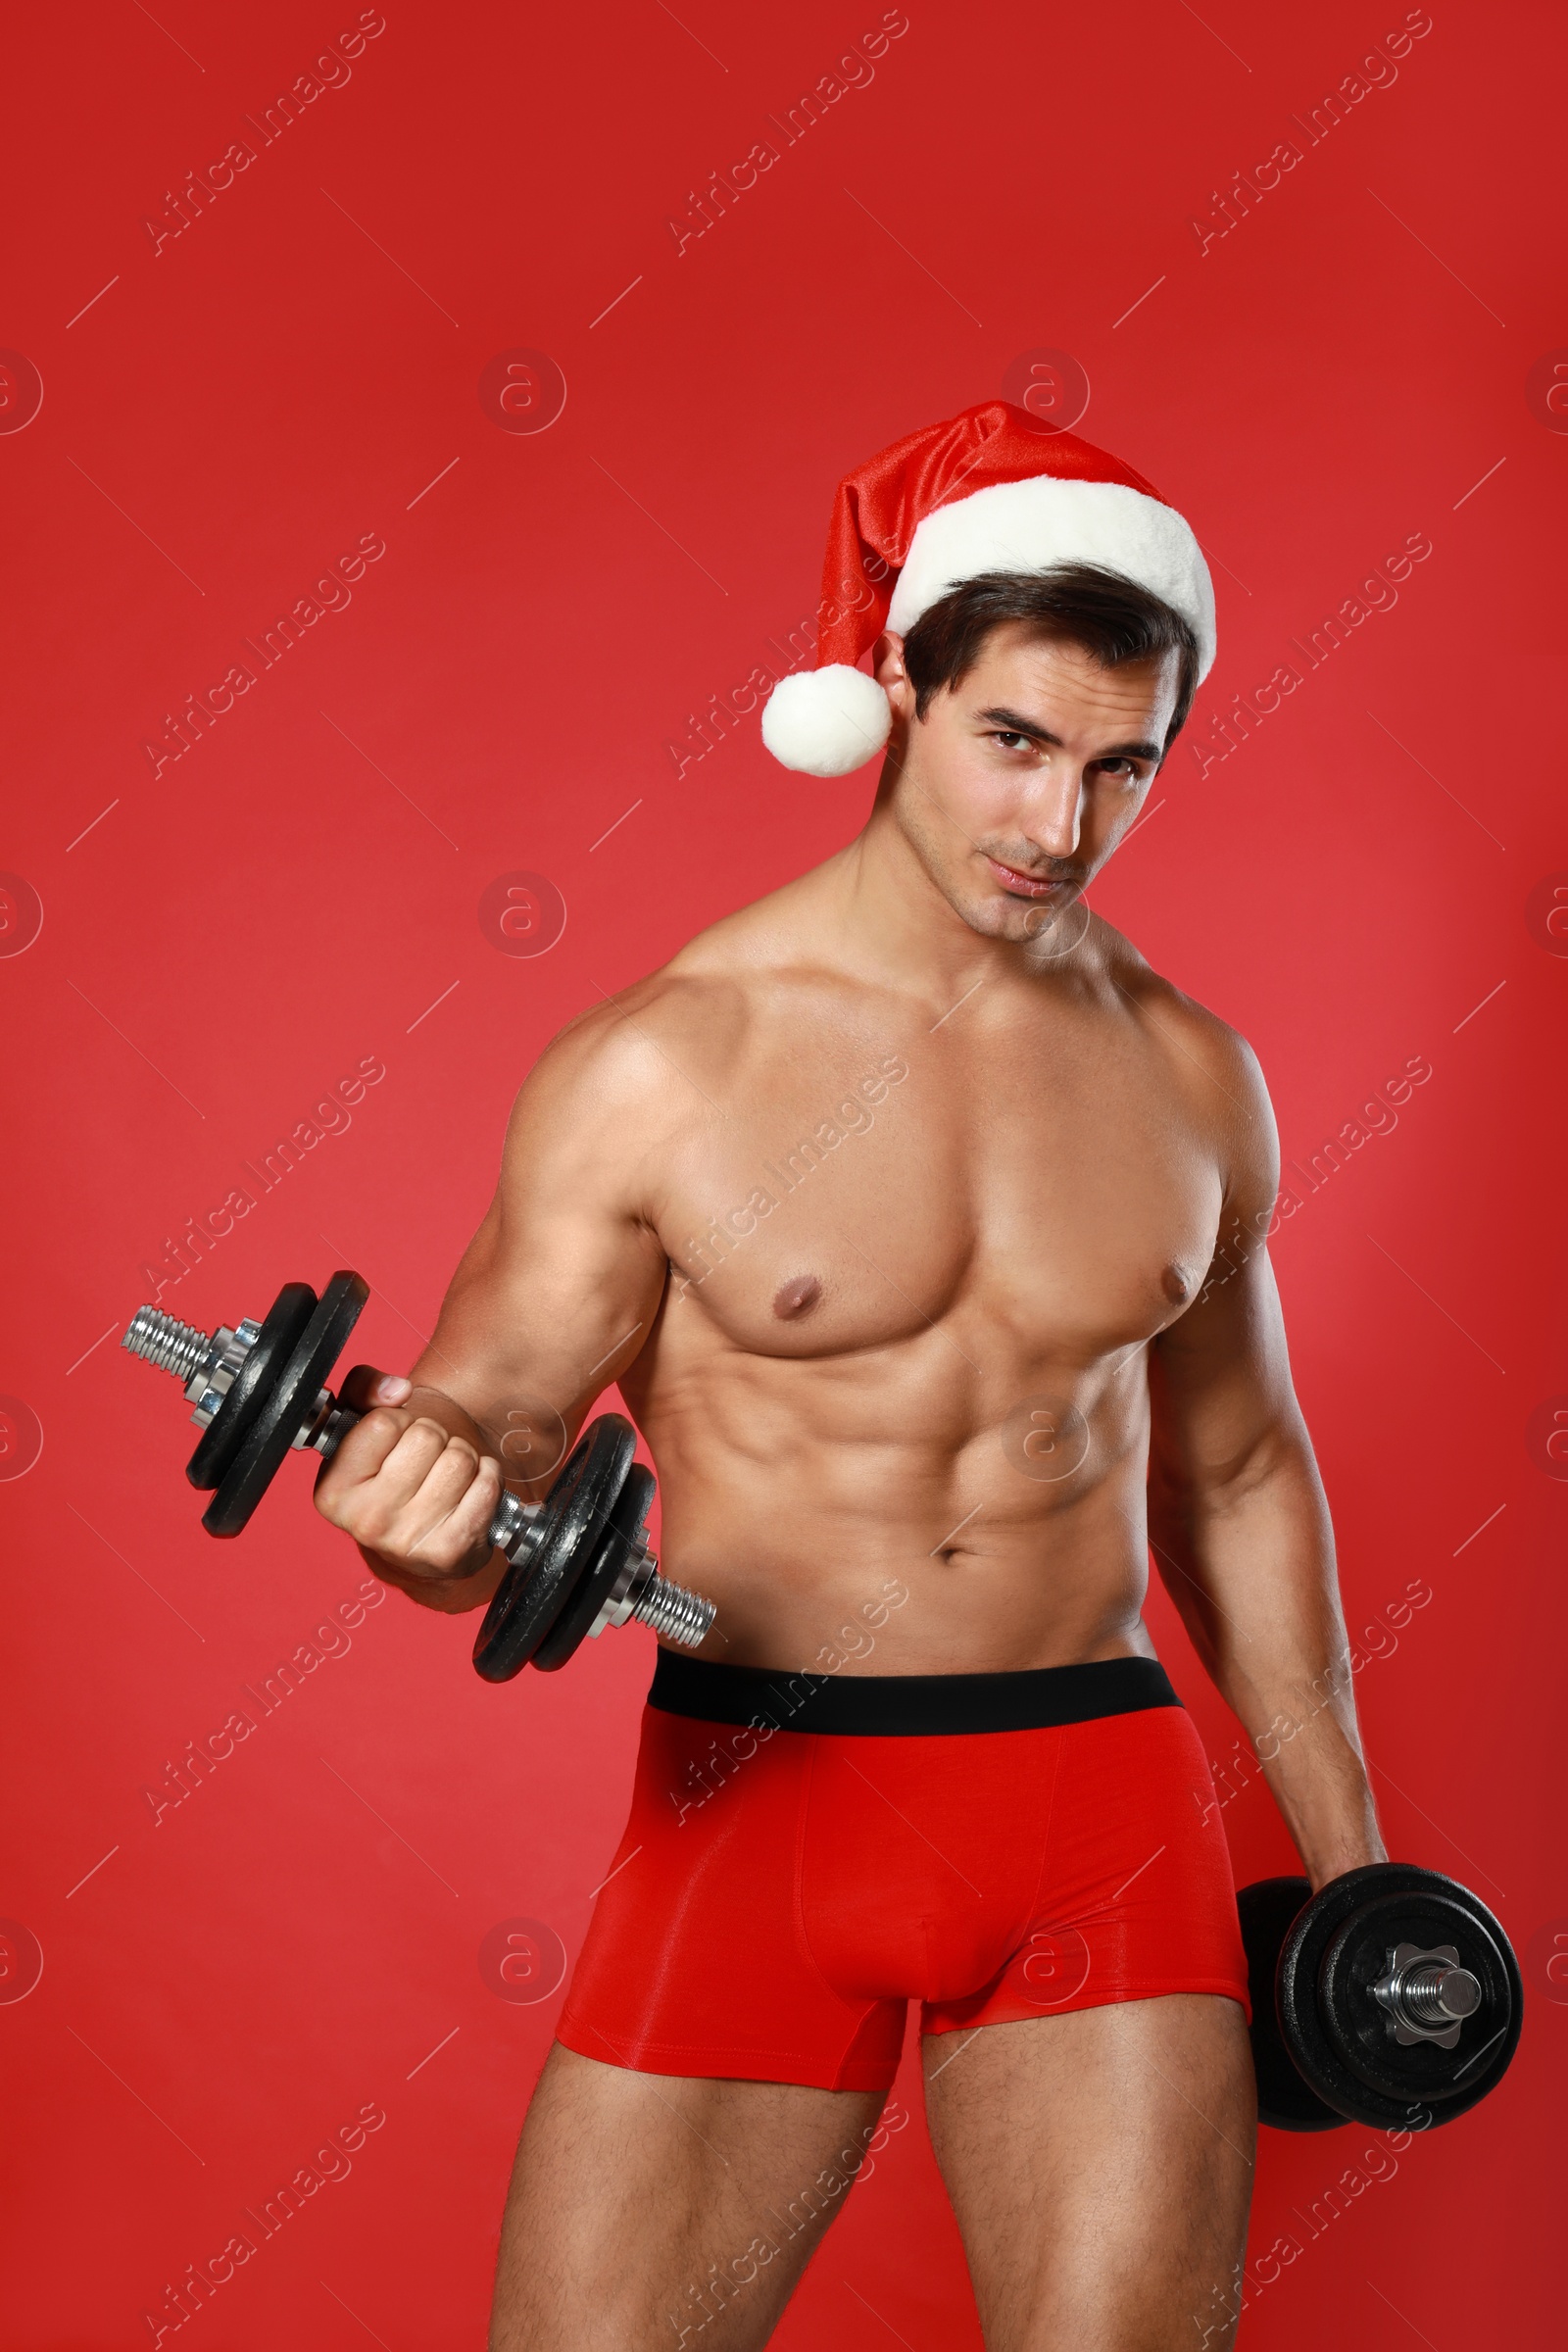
x,y
984,491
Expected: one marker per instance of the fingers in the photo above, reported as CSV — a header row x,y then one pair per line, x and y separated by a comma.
x,y
446,1520
366,1386
365,1448
418,1496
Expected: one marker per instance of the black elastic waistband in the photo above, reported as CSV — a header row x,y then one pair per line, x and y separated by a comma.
x,y
906,1705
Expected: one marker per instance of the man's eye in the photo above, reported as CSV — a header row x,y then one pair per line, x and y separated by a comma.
x,y
1007,740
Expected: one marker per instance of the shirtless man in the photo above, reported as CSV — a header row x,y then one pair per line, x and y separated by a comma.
x,y
921,1225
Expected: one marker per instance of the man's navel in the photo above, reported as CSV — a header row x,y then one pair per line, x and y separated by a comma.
x,y
797,1297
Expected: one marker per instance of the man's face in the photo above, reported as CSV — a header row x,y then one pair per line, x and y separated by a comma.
x,y
1019,781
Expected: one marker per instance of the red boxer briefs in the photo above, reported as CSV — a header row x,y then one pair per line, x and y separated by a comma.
x,y
807,1854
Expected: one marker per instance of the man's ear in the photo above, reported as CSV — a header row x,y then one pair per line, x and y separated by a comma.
x,y
887,668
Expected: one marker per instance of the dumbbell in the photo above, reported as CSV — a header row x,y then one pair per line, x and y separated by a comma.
x,y
579,1560
1391,1997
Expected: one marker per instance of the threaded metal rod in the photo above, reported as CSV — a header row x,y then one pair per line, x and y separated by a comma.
x,y
671,1610
1435,1994
172,1345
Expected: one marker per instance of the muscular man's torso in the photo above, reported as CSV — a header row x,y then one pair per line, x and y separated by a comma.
x,y
896,1387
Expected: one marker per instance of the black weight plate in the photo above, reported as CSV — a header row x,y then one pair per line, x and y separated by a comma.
x,y
224,1433
533,1591
1358,2028
288,1402
1430,2086
1268,1910
610,1554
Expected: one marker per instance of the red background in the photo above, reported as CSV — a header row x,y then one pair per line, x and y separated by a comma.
x,y
295,893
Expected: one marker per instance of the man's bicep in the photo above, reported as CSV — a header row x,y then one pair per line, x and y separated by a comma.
x,y
559,1288
1220,1374
1220,1377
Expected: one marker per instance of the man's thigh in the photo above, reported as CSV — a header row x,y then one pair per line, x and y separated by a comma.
x,y
1101,2167
647,2211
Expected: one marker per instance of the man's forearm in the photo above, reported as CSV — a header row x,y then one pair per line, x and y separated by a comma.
x,y
1251,1566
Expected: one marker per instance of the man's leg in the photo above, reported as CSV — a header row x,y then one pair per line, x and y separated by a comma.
x,y
1100,2164
644,2205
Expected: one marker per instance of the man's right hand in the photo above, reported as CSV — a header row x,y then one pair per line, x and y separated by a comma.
x,y
417,1492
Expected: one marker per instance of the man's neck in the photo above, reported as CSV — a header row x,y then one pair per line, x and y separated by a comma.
x,y
883,916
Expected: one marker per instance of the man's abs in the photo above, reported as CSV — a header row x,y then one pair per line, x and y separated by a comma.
x,y
860,1551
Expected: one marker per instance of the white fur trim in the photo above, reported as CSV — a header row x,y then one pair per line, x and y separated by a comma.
x,y
826,722
1028,526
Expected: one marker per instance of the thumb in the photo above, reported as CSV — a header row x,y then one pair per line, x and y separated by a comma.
x,y
365,1386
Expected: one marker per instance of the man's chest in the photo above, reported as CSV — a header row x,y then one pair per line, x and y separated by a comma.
x,y
1058,1186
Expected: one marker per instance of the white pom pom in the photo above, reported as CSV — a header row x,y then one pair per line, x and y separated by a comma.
x,y
826,722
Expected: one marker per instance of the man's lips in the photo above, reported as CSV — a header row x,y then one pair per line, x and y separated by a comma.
x,y
1024,886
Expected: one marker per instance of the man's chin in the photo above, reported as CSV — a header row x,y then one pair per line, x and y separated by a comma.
x,y
1000,914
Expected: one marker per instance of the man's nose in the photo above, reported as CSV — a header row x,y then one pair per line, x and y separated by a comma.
x,y
1055,817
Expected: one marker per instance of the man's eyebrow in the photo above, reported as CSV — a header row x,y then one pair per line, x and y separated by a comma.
x,y
1013,722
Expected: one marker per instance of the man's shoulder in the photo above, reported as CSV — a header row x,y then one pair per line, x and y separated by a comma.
x,y
1206,1054
683,1025
708,995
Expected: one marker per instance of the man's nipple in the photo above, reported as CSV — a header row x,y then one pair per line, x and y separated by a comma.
x,y
797,1297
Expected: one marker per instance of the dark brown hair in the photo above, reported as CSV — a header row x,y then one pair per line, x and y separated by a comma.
x,y
1112,617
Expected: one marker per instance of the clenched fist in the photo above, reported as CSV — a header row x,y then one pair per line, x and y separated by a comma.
x,y
414,1487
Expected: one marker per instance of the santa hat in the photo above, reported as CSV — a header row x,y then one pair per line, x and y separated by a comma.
x,y
983,492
